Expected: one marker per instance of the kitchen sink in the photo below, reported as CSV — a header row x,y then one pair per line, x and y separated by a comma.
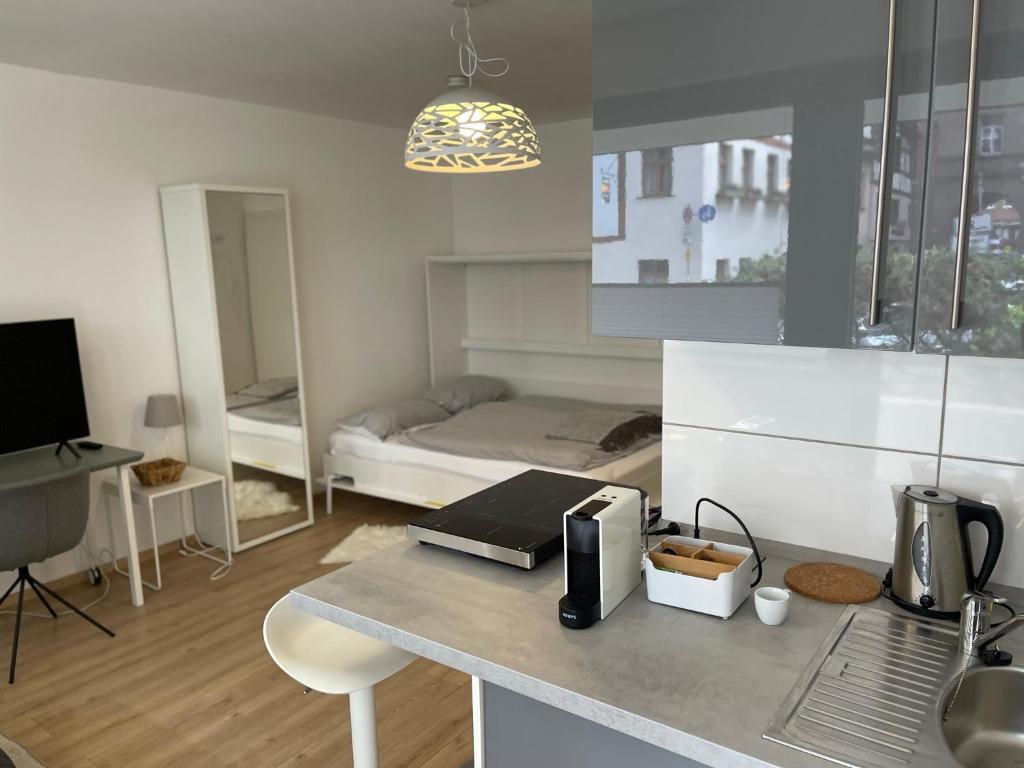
x,y
869,697
875,693
986,722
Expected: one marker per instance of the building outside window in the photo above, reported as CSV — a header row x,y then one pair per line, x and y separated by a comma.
x,y
748,170
991,140
652,271
773,174
725,163
657,172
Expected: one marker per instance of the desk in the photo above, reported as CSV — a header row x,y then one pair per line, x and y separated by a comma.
x,y
41,463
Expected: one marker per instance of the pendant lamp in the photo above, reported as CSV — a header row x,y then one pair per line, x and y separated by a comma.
x,y
468,129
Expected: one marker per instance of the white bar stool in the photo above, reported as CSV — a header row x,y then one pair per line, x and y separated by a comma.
x,y
328,658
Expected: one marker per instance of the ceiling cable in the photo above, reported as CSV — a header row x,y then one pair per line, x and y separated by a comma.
x,y
470,61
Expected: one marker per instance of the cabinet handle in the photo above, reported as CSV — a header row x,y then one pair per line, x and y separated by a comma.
x,y
875,310
963,225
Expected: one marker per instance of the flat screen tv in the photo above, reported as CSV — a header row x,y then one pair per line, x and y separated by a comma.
x,y
42,400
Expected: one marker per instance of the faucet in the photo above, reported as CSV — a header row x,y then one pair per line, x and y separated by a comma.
x,y
976,632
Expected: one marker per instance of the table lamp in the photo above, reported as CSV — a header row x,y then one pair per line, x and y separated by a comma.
x,y
163,411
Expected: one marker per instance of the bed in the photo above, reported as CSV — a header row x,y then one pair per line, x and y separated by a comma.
x,y
438,463
267,433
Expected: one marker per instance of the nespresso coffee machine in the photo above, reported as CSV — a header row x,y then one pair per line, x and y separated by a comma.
x,y
933,566
602,554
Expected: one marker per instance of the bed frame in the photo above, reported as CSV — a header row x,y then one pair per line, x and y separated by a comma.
x,y
433,488
269,454
524,318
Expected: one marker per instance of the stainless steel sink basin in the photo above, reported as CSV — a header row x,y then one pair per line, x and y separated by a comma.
x,y
986,723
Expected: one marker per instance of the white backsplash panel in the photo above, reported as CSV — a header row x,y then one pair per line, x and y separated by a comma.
x,y
857,397
831,497
1002,486
985,409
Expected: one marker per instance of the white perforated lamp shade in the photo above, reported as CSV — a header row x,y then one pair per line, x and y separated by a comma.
x,y
470,130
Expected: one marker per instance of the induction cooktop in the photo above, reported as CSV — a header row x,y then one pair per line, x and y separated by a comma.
x,y
518,521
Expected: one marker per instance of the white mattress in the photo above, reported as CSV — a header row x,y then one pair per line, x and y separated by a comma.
x,y
393,450
286,433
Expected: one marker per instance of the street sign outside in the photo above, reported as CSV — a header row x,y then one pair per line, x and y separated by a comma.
x,y
707,213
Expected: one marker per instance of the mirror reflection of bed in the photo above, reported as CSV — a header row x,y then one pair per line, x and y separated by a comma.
x,y
240,359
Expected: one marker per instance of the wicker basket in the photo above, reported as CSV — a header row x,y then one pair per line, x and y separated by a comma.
x,y
159,472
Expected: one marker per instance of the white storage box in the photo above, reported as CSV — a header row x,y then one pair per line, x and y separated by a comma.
x,y
720,596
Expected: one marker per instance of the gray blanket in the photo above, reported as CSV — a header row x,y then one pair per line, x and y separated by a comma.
x,y
284,410
515,430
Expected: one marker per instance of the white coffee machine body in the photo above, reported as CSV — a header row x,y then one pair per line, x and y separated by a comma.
x,y
602,554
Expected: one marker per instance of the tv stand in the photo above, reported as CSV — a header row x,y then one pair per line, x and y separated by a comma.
x,y
65,444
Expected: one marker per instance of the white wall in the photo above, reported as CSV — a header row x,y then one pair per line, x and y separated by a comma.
x,y
805,444
543,209
81,237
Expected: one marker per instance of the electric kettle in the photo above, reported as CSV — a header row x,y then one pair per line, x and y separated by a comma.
x,y
932,564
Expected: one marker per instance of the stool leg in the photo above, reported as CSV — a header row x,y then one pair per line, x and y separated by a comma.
x,y
363,715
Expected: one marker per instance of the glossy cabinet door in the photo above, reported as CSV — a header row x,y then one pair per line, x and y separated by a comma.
x,y
971,298
738,169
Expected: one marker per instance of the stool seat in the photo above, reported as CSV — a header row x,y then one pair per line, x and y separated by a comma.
x,y
326,657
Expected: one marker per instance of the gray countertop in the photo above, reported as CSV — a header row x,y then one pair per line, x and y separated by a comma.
x,y
692,684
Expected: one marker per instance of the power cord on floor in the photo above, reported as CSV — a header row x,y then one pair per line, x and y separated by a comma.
x,y
99,562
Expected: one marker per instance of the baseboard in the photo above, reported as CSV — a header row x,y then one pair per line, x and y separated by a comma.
x,y
82,577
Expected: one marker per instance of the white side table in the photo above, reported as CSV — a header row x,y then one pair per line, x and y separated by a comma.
x,y
144,496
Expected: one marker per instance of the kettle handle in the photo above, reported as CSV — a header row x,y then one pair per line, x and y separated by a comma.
x,y
969,511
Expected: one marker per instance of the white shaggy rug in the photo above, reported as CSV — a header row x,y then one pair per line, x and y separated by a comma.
x,y
363,542
261,498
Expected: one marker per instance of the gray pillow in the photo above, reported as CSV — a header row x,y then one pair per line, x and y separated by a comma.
x,y
464,392
269,388
391,418
611,431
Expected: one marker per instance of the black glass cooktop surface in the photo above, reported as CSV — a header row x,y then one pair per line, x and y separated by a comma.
x,y
523,513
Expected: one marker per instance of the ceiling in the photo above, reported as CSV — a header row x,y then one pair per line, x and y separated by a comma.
x,y
375,61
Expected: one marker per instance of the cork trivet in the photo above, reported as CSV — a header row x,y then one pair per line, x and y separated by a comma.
x,y
833,583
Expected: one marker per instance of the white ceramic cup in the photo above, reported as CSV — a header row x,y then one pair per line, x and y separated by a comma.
x,y
772,605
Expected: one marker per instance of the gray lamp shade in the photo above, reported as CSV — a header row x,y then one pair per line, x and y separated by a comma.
x,y
163,411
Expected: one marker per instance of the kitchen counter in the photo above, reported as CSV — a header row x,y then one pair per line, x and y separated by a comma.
x,y
695,685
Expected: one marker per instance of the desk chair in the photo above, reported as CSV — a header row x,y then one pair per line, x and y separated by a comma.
x,y
40,519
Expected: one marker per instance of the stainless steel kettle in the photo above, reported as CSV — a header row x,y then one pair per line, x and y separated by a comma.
x,y
932,564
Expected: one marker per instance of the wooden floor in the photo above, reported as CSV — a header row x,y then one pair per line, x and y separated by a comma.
x,y
187,681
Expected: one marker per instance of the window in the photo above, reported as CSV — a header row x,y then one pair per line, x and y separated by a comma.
x,y
652,271
657,172
773,174
724,165
748,170
991,140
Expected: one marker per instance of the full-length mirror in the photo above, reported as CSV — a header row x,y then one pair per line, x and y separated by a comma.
x,y
252,275
229,259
